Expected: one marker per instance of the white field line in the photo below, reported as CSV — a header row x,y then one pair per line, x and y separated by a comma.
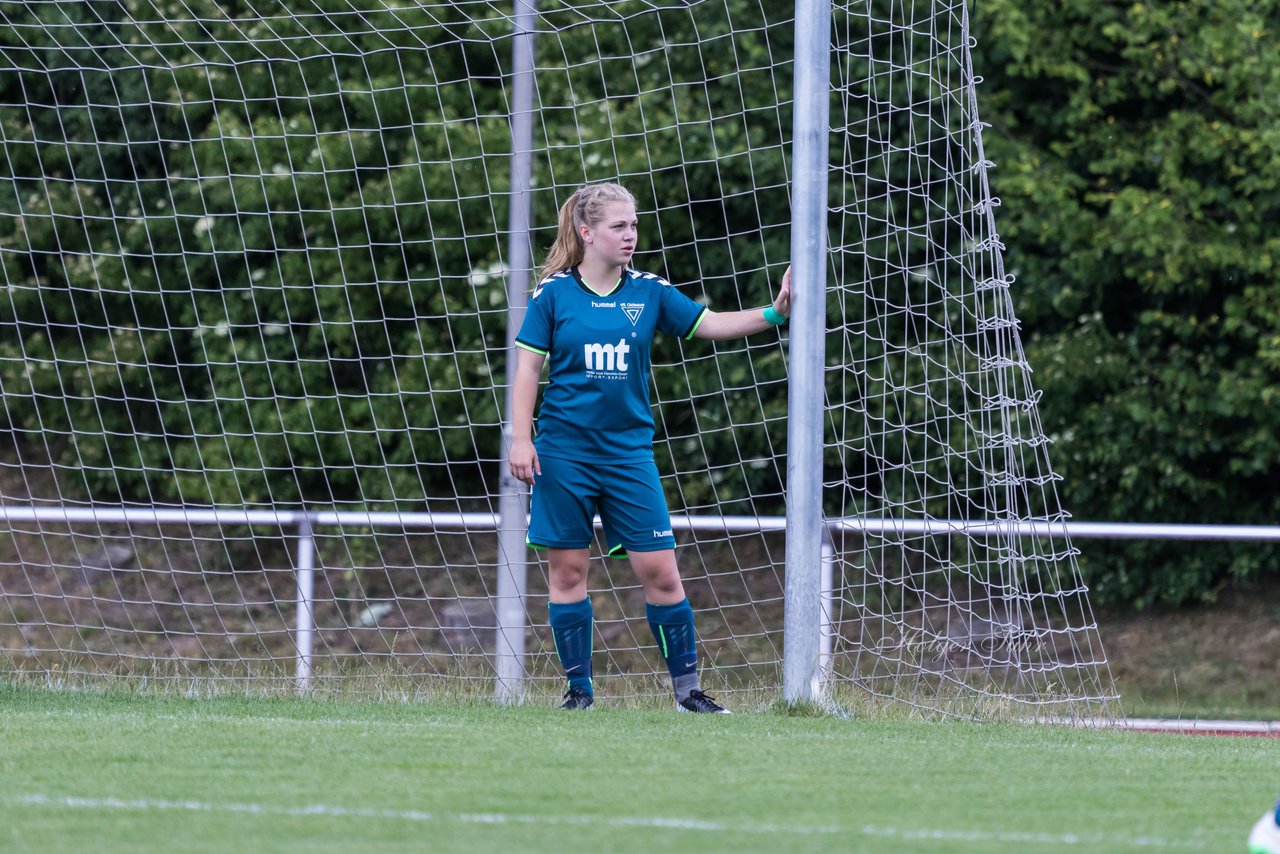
x,y
1186,726
1202,727
1089,841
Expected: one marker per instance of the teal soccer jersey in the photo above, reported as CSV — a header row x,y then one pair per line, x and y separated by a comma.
x,y
596,406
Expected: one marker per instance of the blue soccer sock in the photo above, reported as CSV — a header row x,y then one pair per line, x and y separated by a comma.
x,y
672,627
572,625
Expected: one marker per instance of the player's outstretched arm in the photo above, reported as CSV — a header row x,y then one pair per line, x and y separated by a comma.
x,y
523,458
719,325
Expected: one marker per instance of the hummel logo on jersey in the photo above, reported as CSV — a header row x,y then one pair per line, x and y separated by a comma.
x,y
607,360
595,304
659,534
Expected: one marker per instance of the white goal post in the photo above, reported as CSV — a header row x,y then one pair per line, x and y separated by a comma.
x,y
263,265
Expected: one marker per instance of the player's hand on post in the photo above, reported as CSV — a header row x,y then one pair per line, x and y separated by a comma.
x,y
782,304
524,461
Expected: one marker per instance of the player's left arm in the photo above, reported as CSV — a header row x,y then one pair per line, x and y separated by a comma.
x,y
719,325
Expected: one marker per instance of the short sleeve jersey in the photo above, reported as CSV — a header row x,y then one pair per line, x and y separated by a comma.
x,y
596,404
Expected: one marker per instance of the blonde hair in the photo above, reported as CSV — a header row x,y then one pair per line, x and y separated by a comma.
x,y
585,207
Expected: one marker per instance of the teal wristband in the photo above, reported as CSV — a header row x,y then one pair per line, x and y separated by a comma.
x,y
772,317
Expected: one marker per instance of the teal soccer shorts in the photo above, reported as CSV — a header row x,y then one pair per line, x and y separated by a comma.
x,y
628,497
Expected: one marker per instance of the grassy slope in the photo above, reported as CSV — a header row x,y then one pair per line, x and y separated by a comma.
x,y
1207,661
627,780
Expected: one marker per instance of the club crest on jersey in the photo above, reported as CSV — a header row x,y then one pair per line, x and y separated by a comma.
x,y
632,311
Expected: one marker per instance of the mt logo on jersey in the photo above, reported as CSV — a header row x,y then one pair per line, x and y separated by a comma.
x,y
607,361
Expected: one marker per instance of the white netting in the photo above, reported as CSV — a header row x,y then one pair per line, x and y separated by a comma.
x,y
254,259
933,415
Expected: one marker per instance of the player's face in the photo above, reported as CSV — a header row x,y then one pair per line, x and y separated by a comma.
x,y
613,238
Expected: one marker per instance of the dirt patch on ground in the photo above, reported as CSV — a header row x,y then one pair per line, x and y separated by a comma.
x,y
201,602
1216,660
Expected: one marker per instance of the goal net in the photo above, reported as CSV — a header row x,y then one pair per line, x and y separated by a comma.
x,y
937,463
253,348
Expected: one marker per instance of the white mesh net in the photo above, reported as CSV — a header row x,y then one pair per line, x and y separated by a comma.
x,y
255,261
937,459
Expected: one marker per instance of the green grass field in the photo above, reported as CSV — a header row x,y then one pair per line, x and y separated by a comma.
x,y
115,772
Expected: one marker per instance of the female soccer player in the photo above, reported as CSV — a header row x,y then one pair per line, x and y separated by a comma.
x,y
594,318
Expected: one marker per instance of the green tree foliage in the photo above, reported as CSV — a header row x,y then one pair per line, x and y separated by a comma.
x,y
255,258
1139,165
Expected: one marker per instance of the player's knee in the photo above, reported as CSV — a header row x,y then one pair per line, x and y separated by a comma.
x,y
566,583
660,577
567,577
666,584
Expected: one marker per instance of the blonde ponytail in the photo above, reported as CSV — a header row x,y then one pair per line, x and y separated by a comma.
x,y
585,207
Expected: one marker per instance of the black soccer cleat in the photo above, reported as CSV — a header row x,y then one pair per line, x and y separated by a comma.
x,y
576,699
701,703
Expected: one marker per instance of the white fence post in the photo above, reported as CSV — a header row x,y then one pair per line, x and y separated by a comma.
x,y
826,617
304,634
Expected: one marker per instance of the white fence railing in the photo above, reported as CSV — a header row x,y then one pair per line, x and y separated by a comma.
x,y
303,524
